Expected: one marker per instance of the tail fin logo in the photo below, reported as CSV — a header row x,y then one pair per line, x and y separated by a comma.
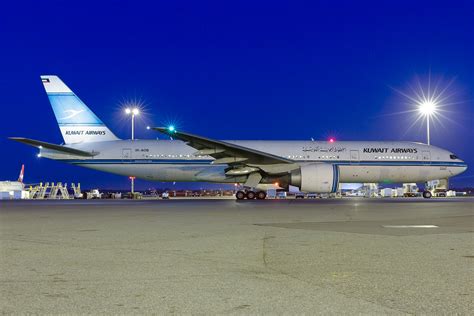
x,y
22,172
74,113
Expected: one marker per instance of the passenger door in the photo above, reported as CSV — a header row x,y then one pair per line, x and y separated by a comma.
x,y
426,157
126,154
355,157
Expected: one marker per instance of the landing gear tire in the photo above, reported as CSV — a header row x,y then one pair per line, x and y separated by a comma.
x,y
251,195
240,195
427,194
261,195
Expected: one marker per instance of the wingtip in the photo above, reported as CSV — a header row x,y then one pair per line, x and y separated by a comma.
x,y
166,130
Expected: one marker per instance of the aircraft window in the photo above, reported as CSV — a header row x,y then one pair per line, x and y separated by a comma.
x,y
453,157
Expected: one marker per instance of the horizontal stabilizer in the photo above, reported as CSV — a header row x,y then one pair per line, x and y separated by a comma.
x,y
59,148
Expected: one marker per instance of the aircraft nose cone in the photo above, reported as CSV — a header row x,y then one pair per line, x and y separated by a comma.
x,y
461,169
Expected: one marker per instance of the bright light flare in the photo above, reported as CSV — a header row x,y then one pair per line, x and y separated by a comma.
x,y
332,140
427,107
429,100
134,111
171,129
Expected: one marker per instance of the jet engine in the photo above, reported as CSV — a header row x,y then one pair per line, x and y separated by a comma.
x,y
317,177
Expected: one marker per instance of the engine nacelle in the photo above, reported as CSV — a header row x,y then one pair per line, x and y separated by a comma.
x,y
317,177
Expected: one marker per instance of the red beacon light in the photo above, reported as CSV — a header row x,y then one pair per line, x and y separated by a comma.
x,y
332,140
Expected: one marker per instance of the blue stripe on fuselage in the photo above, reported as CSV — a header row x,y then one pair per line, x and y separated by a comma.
x,y
208,161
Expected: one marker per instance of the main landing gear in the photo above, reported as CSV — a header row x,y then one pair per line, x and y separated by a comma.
x,y
251,195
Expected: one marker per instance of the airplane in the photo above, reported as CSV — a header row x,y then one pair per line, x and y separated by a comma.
x,y
312,166
9,186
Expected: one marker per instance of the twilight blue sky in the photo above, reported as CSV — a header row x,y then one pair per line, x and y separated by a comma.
x,y
235,70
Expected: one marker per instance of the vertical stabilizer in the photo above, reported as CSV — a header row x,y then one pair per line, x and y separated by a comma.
x,y
22,173
78,124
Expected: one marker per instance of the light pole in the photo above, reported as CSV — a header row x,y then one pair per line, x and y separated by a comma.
x,y
132,182
427,108
133,112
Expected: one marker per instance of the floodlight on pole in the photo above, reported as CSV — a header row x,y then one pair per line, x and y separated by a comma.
x,y
429,98
427,108
134,112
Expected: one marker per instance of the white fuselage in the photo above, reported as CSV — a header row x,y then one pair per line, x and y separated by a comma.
x,y
173,160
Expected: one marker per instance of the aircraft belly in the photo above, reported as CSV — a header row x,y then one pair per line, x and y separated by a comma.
x,y
167,173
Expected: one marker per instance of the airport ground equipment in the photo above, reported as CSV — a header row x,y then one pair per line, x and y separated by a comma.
x,y
370,190
386,192
410,190
53,191
40,192
59,191
76,190
94,194
436,188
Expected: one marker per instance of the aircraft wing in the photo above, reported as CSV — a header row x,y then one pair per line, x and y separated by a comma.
x,y
59,148
228,153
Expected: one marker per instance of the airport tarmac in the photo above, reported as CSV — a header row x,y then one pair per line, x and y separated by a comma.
x,y
352,255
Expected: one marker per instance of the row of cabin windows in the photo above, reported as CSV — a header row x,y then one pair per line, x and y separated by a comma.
x,y
175,156
397,157
376,157
289,156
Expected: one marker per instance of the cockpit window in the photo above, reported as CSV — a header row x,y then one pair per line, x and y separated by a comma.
x,y
453,157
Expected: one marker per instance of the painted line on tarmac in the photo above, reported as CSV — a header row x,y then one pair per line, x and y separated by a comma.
x,y
410,226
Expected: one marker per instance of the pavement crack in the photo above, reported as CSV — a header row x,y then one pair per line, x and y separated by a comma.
x,y
265,239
